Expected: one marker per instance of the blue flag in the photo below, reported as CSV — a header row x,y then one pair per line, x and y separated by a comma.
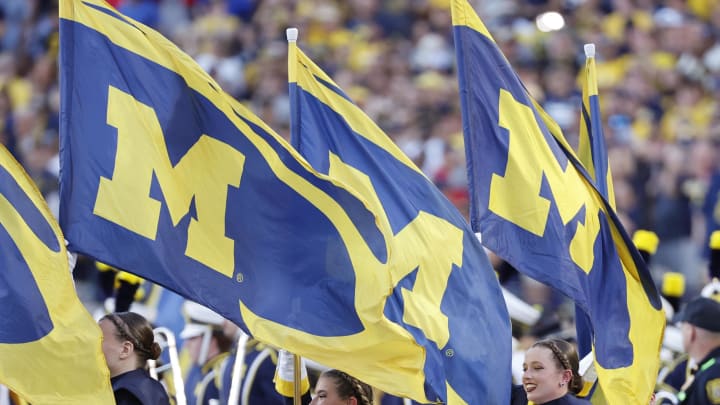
x,y
50,347
592,153
537,208
167,177
445,292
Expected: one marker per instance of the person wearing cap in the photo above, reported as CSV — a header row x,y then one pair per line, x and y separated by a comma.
x,y
700,326
207,346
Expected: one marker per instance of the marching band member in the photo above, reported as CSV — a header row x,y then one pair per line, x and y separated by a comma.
x,y
700,325
208,347
257,371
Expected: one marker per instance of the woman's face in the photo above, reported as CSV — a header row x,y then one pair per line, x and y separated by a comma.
x,y
194,344
542,379
326,393
112,347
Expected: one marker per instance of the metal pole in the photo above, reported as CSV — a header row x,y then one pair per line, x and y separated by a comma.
x,y
296,379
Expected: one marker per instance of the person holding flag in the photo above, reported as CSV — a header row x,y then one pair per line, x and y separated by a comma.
x,y
335,387
551,373
128,344
208,347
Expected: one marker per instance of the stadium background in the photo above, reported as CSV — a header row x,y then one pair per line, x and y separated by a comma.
x,y
658,73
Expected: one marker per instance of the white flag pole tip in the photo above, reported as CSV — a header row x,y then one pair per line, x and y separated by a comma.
x,y
291,34
589,50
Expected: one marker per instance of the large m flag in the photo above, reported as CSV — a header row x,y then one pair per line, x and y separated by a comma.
x,y
50,347
536,206
445,293
165,176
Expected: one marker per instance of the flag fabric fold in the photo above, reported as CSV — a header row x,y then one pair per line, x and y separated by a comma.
x,y
445,292
538,208
167,177
49,344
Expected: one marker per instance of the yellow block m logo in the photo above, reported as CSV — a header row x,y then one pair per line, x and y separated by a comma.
x,y
203,174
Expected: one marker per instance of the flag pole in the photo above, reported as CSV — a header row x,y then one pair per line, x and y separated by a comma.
x,y
237,371
296,380
292,35
589,50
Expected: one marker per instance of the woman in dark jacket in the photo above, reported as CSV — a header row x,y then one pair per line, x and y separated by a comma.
x,y
128,343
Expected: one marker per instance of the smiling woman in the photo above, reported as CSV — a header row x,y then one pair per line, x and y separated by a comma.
x,y
550,374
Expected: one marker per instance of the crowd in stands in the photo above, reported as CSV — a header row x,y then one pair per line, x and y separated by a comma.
x,y
658,73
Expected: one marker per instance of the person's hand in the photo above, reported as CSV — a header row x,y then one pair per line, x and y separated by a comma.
x,y
285,374
72,258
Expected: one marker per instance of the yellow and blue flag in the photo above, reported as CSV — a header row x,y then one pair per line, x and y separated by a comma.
x,y
445,293
50,346
166,176
592,151
592,154
537,208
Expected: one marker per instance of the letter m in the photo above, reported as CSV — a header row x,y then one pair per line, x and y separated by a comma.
x,y
203,173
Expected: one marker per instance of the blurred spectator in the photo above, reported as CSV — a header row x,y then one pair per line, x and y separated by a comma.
x,y
673,216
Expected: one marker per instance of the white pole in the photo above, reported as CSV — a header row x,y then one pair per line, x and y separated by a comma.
x,y
237,369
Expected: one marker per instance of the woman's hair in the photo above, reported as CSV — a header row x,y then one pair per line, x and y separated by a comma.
x,y
138,331
566,358
348,386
